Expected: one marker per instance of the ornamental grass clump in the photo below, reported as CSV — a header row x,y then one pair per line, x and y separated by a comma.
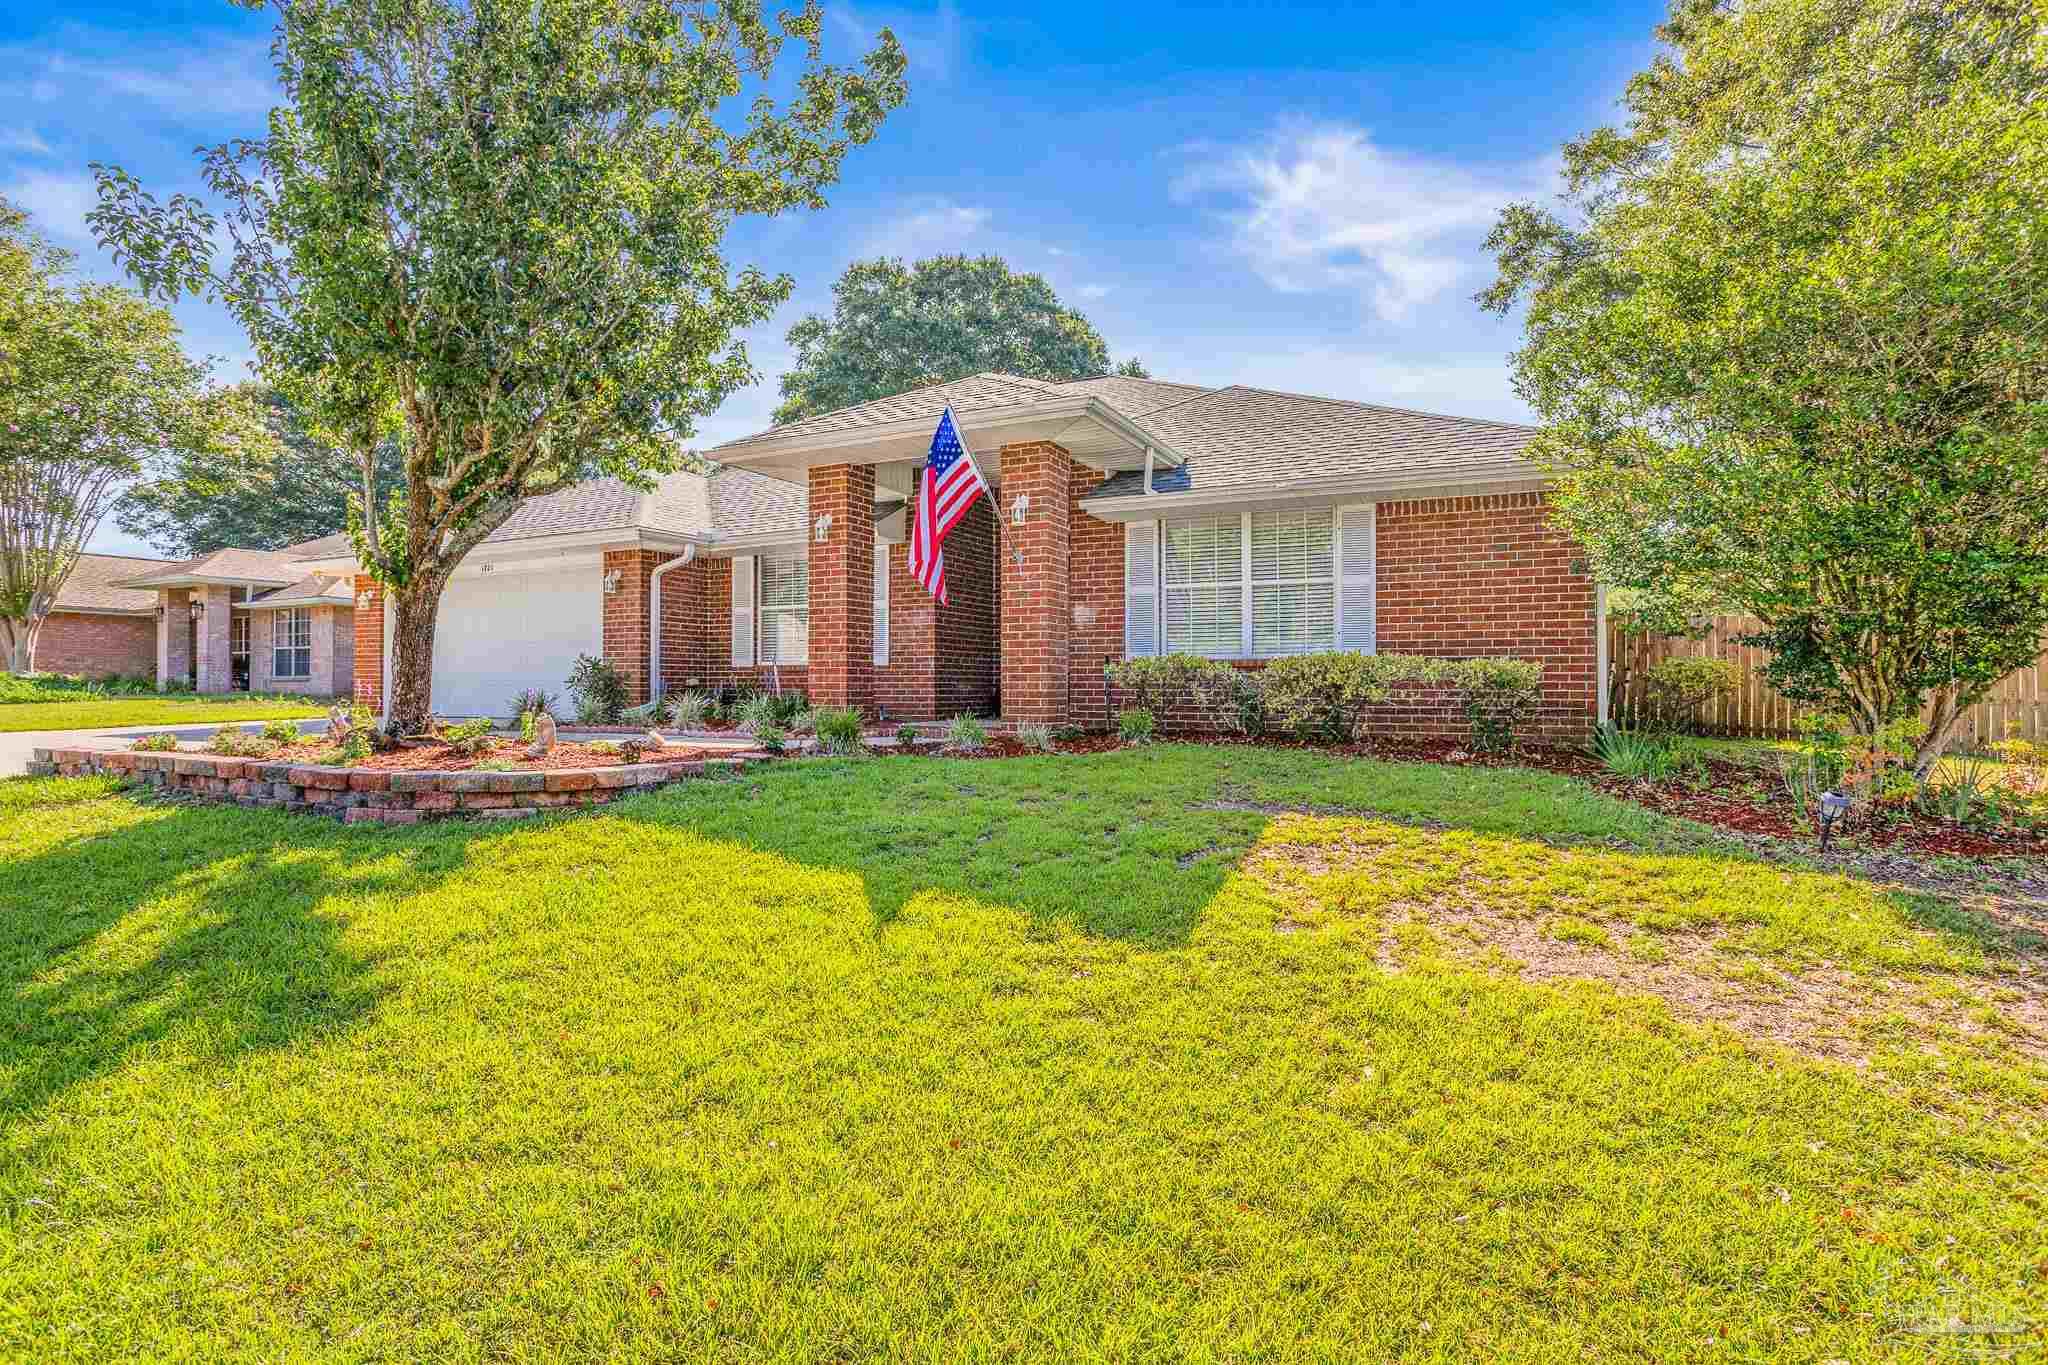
x,y
967,733
839,731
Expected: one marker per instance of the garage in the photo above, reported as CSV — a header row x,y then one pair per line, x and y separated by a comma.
x,y
501,632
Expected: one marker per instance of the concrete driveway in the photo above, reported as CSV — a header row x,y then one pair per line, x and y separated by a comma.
x,y
16,749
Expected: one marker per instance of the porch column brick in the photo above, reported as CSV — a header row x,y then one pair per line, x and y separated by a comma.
x,y
368,687
842,573
216,667
173,638
1036,587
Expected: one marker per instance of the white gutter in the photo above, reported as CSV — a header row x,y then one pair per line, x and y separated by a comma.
x,y
655,689
1431,483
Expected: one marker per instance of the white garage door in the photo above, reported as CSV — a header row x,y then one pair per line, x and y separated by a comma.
x,y
506,631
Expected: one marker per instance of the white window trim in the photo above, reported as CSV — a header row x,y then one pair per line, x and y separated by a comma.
x,y
1245,654
284,640
761,611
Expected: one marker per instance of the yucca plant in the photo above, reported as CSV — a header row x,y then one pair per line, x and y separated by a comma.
x,y
1638,755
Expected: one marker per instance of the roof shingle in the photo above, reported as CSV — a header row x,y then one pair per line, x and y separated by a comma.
x,y
90,586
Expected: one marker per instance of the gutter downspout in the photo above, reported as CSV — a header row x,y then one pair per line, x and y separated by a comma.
x,y
655,690
1600,650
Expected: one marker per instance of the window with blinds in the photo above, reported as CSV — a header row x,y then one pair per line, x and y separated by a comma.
x,y
785,609
1294,582
292,644
1203,582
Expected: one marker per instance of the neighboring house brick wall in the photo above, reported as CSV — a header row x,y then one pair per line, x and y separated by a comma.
x,y
334,650
98,646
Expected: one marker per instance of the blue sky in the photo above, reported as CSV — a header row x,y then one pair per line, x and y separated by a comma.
x,y
1284,195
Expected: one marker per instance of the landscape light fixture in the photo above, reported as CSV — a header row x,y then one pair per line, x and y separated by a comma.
x,y
1833,806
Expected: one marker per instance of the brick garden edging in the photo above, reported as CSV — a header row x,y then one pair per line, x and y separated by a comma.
x,y
371,795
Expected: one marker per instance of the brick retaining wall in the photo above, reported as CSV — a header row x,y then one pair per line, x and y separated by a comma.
x,y
372,795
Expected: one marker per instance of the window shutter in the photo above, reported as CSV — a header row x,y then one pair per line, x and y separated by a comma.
x,y
1357,585
1141,589
881,601
742,611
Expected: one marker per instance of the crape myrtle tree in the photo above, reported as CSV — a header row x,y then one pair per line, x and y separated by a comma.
x,y
496,228
896,327
95,389
1788,332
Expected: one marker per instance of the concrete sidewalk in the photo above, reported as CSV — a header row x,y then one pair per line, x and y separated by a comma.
x,y
16,749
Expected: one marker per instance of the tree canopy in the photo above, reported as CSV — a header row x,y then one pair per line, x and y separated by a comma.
x,y
500,227
94,389
1789,337
263,495
896,327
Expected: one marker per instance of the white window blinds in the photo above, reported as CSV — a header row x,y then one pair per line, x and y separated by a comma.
x,y
1294,579
742,611
1204,586
785,607
881,601
1141,589
1357,600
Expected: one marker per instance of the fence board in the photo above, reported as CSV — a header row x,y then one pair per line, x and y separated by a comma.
x,y
2017,706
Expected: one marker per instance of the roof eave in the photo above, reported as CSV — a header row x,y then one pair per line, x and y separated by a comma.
x,y
1381,488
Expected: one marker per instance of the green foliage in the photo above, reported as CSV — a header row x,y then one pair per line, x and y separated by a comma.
x,y
896,327
906,737
1037,737
354,747
156,744
603,746
1639,755
1500,698
94,390
532,701
1677,690
260,495
967,732
771,737
598,690
521,264
1790,341
1222,697
1134,725
1324,696
839,731
242,744
469,736
496,765
689,710
281,731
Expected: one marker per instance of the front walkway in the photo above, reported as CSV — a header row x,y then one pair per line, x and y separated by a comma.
x,y
16,748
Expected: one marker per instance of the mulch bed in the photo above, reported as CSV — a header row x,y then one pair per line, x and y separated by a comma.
x,y
441,758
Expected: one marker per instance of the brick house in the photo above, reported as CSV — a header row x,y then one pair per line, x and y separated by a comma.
x,y
97,629
1137,517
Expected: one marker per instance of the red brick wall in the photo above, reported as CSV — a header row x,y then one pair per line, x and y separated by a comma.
x,y
1035,584
626,620
369,644
1487,576
683,654
97,646
842,566
1098,605
1458,578
715,579
907,686
965,665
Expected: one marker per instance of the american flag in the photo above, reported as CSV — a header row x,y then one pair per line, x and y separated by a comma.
x,y
951,484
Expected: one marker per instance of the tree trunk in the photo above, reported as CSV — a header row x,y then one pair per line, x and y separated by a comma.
x,y
18,640
412,645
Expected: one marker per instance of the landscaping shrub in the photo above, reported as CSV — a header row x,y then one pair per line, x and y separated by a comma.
x,y
838,731
1224,698
689,710
1500,697
753,712
906,737
1676,692
156,744
1639,755
232,743
281,731
1324,696
770,736
603,746
497,765
470,737
1134,725
533,700
598,690
1037,737
967,732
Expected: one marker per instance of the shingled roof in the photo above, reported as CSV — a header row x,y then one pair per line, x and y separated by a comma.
x,y
90,588
1221,438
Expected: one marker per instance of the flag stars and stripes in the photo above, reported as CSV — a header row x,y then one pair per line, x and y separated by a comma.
x,y
952,481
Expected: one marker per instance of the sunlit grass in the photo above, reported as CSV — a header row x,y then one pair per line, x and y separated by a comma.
x,y
120,712
952,1060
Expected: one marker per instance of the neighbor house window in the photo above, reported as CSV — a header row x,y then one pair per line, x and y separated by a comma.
x,y
238,636
1204,586
293,641
1294,582
785,606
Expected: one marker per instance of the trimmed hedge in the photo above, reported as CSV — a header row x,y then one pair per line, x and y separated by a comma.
x,y
1327,696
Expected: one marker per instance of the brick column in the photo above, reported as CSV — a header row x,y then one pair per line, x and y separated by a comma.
x,y
627,625
1036,586
842,569
216,668
368,686
173,638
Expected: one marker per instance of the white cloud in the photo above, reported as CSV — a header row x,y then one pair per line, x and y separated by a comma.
x,y
231,77
1321,208
56,204
23,140
1093,291
931,44
940,225
1469,384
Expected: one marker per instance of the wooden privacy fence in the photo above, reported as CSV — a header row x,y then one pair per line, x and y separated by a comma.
x,y
2017,706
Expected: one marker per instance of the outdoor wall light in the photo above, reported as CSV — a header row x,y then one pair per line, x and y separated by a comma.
x,y
159,611
197,608
1832,808
1018,508
823,527
364,599
611,582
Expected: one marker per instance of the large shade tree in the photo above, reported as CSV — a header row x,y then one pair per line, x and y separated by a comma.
x,y
262,495
896,327
94,391
1789,335
499,227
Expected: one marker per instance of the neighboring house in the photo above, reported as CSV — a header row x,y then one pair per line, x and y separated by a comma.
x,y
254,620
1138,517
96,628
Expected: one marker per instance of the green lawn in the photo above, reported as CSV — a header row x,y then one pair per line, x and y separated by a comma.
x,y
1183,1053
105,713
